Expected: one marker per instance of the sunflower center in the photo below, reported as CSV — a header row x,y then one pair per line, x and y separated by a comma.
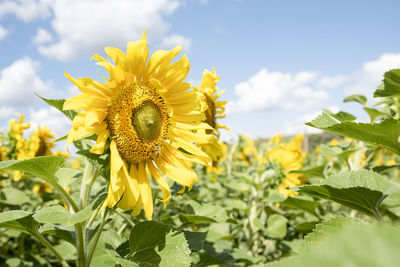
x,y
147,121
210,113
138,121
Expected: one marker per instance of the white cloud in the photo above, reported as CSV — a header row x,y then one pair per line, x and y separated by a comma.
x,y
332,81
42,36
366,80
267,89
174,40
52,118
85,27
18,82
27,10
6,112
3,32
298,125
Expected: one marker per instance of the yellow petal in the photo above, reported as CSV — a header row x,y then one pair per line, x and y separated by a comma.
x,y
161,182
145,192
85,102
102,137
136,54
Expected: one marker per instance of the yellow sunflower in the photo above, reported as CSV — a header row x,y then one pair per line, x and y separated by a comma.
x,y
41,142
290,156
213,110
19,145
148,116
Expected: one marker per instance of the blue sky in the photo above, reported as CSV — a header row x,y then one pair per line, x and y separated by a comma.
x,y
281,62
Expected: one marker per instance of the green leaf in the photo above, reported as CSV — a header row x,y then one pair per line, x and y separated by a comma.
x,y
306,227
58,104
276,226
65,176
58,214
315,171
242,256
49,229
374,114
331,226
13,196
391,84
302,204
62,138
385,133
218,231
196,219
360,190
195,239
217,213
18,220
356,98
44,167
370,245
156,244
341,115
100,162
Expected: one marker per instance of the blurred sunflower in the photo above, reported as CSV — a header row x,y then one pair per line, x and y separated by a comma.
x,y
247,149
213,110
41,142
18,145
290,156
147,115
40,189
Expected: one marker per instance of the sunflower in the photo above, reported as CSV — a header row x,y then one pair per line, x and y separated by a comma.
x,y
213,110
18,144
290,156
41,142
147,116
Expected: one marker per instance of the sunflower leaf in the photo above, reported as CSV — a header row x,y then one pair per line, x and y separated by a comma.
x,y
391,84
155,244
385,133
58,104
18,220
360,190
44,167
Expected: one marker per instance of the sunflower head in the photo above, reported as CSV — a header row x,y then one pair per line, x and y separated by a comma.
x,y
289,156
148,117
41,142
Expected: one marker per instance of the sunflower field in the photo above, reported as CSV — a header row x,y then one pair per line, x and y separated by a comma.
x,y
145,179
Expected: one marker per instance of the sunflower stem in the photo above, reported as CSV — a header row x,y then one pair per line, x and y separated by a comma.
x,y
52,249
97,236
88,178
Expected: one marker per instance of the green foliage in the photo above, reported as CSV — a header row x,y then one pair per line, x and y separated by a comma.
x,y
44,167
58,104
384,134
391,84
356,98
152,243
361,190
351,245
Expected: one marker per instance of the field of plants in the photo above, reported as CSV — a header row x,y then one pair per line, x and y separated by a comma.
x,y
148,182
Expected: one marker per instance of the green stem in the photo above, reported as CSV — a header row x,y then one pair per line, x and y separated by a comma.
x,y
97,236
127,219
81,255
52,249
66,197
87,181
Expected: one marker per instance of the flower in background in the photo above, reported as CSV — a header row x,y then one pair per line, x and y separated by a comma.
x,y
147,116
40,189
290,156
41,142
213,110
